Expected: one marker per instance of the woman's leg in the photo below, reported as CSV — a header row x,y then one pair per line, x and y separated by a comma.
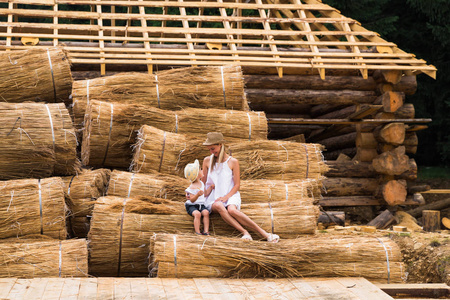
x,y
205,214
245,220
219,208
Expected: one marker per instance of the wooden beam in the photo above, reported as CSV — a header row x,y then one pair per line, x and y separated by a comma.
x,y
341,121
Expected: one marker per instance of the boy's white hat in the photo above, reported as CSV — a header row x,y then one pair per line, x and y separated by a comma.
x,y
191,171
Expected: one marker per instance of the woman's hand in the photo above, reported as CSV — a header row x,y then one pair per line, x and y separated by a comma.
x,y
221,199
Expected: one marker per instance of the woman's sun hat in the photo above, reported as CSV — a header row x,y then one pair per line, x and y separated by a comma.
x,y
214,138
191,171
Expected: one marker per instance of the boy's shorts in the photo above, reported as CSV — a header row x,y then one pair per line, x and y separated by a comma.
x,y
190,208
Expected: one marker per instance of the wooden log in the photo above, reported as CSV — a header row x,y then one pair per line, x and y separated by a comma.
x,y
353,169
411,173
257,96
333,155
392,133
393,162
276,108
332,217
415,199
384,87
321,109
342,113
390,76
391,101
366,140
407,85
418,188
339,142
365,154
324,133
344,186
350,201
280,131
383,220
411,139
438,205
431,220
394,192
299,138
407,111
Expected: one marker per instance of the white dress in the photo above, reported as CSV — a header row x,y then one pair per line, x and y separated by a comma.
x,y
222,178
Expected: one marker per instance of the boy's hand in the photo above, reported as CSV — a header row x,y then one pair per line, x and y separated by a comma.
x,y
200,193
188,196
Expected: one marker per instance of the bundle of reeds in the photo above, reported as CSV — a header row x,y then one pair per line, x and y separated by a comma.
x,y
377,259
110,128
126,184
83,189
120,228
168,153
43,257
36,140
35,74
33,206
199,87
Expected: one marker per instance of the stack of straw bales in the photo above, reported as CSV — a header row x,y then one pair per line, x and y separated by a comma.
x,y
83,189
377,259
43,257
121,226
168,153
199,87
36,140
110,128
35,75
33,206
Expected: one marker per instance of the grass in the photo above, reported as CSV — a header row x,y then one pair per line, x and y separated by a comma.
x,y
433,172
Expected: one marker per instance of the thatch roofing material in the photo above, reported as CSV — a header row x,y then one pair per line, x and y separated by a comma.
x,y
35,75
121,228
36,140
83,189
376,259
33,206
110,128
198,87
168,153
32,258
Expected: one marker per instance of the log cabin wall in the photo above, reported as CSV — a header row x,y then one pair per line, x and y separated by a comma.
x,y
366,125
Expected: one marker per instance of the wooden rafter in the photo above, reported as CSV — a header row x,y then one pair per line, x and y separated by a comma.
x,y
145,36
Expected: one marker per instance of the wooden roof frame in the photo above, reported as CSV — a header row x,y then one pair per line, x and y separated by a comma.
x,y
259,33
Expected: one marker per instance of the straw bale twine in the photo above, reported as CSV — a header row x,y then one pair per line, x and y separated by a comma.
x,y
36,140
198,87
33,206
110,128
324,256
35,74
126,184
32,258
121,227
168,153
83,189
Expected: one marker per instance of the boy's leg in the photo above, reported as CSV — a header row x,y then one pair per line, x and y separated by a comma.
x,y
197,216
205,214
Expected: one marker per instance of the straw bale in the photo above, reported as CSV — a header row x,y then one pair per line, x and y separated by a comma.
x,y
168,153
36,140
198,87
35,75
126,184
32,258
33,206
83,189
121,227
110,128
324,256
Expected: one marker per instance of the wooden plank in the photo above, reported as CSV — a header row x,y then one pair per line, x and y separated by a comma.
x,y
105,288
422,290
53,288
189,287
437,191
6,285
283,287
19,289
259,290
36,288
343,121
155,288
328,288
139,288
224,290
172,288
238,287
70,288
88,289
122,288
305,288
363,289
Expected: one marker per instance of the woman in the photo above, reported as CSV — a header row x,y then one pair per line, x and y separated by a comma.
x,y
222,170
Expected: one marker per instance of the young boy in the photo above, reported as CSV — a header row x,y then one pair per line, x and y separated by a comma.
x,y
195,197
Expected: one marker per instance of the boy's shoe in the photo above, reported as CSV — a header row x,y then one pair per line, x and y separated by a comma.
x,y
205,233
198,233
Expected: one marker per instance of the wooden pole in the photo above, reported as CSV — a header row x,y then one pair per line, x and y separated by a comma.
x,y
438,205
431,220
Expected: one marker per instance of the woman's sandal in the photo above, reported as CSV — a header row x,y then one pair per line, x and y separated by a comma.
x,y
247,237
273,238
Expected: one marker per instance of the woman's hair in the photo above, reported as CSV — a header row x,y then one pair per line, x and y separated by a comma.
x,y
213,160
